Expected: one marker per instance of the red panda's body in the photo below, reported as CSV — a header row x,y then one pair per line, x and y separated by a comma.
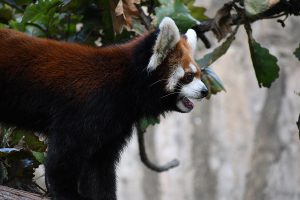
x,y
88,99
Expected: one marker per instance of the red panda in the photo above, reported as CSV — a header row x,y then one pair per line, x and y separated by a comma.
x,y
88,99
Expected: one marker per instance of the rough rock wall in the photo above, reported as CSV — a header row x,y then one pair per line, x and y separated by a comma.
x,y
239,145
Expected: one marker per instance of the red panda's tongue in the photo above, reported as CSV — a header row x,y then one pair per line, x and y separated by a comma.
x,y
187,103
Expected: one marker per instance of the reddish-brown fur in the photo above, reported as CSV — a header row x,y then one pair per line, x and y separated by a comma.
x,y
181,54
59,65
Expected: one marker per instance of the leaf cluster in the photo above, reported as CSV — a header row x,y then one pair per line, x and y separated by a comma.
x,y
20,153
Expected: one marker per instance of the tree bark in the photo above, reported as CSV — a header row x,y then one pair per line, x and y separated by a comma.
x,y
8,193
267,145
205,180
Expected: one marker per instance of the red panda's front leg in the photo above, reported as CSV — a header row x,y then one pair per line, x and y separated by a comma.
x,y
63,165
97,180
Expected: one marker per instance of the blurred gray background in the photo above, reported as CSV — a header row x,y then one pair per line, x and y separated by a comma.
x,y
239,145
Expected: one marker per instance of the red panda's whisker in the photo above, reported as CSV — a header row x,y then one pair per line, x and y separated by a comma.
x,y
158,82
169,94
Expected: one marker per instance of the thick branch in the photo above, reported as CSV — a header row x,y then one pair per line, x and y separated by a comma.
x,y
284,7
145,159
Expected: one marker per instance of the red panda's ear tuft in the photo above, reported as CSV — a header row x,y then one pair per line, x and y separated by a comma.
x,y
192,39
166,40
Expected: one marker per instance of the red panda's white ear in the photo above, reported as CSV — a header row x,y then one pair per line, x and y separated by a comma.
x,y
192,39
167,38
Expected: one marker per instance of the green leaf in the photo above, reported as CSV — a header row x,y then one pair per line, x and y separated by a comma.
x,y
184,21
39,156
197,12
211,57
209,77
106,21
254,7
41,18
17,26
32,142
264,63
165,2
75,5
3,26
212,81
41,11
145,122
163,11
179,7
6,14
178,12
297,52
22,2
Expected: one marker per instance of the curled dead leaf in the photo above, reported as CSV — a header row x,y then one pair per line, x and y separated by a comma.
x,y
221,24
122,12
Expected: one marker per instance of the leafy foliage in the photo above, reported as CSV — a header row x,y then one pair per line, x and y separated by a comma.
x,y
265,64
212,81
20,153
183,17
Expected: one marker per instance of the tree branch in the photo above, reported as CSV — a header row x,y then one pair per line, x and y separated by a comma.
x,y
145,159
284,7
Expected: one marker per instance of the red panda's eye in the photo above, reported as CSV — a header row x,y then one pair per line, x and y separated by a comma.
x,y
188,77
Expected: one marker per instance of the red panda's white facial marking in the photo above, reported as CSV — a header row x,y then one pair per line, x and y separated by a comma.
x,y
174,78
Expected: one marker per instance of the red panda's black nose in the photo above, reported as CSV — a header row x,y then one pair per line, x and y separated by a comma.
x,y
204,92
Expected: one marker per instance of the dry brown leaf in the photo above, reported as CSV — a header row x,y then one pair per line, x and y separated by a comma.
x,y
122,13
221,24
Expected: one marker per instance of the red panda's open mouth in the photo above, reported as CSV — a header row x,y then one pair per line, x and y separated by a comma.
x,y
187,103
184,104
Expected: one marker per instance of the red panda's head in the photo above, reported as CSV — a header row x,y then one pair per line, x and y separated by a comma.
x,y
172,58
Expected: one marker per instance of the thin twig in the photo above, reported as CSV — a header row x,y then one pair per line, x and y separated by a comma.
x,y
43,190
145,159
146,19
